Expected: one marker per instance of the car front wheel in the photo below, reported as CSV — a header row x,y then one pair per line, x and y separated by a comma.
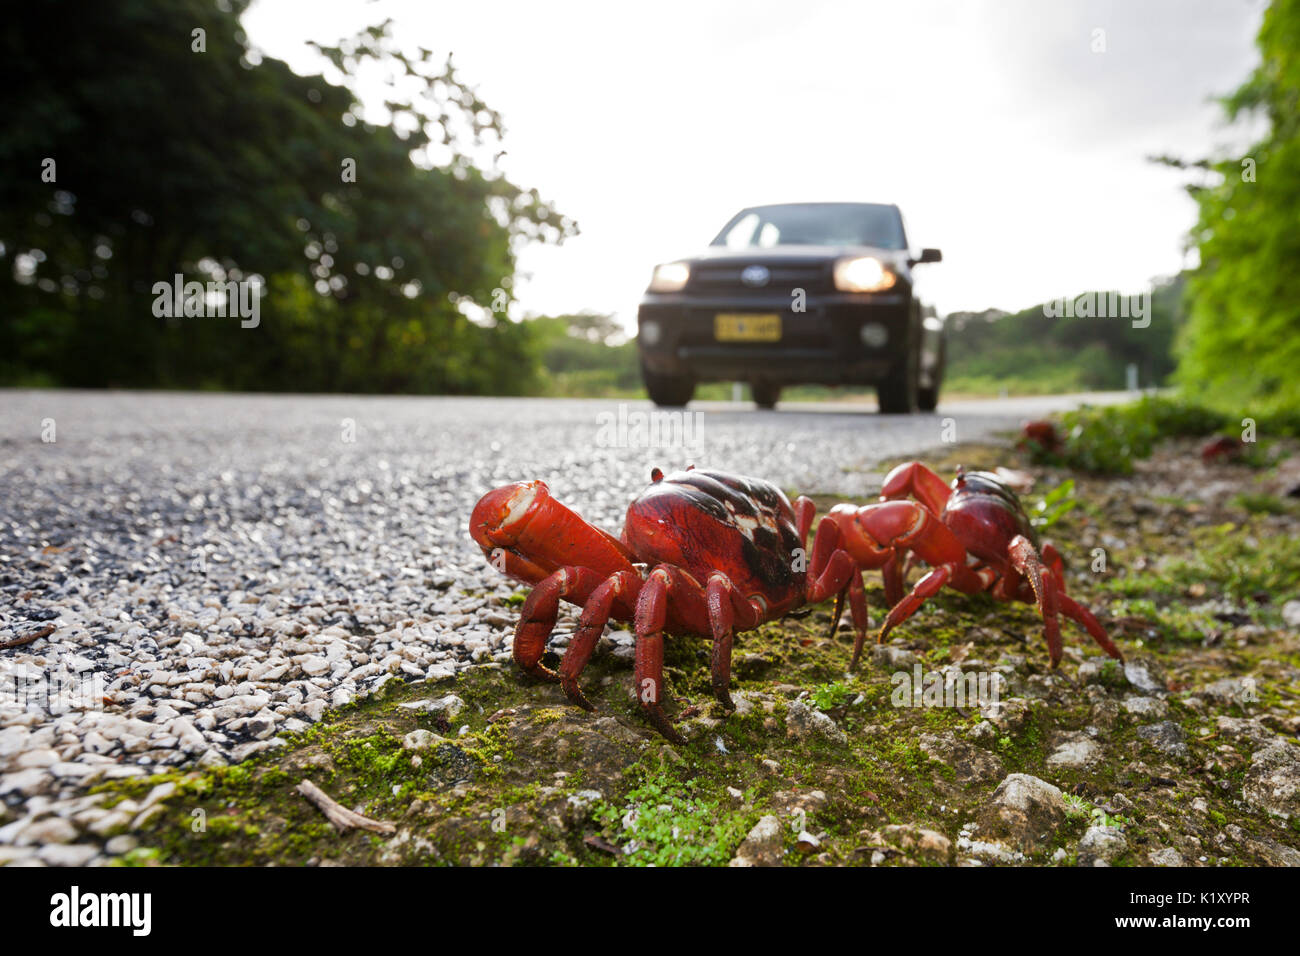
x,y
765,394
896,395
667,391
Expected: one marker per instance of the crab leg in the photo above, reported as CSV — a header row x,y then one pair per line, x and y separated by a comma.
x,y
915,480
857,599
1081,615
622,588
537,617
873,533
727,607
1024,558
1073,609
925,589
666,586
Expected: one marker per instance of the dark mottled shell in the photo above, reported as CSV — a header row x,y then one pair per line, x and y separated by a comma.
x,y
985,515
704,521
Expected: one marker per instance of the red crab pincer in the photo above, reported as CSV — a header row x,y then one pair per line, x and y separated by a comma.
x,y
702,553
975,536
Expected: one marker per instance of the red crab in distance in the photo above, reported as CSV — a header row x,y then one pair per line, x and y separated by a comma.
x,y
702,552
976,537
1222,448
1042,435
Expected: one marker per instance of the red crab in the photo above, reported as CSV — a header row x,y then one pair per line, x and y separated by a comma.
x,y
702,552
1222,448
975,536
1042,435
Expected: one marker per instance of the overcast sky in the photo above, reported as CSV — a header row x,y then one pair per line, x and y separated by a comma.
x,y
1007,141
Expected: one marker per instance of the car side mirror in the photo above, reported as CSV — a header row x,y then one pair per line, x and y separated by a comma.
x,y
929,255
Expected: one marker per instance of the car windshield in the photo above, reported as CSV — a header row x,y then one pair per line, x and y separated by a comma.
x,y
814,224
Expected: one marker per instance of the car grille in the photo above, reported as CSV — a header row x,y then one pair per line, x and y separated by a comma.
x,y
724,278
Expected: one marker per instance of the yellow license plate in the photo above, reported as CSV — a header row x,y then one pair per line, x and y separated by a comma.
x,y
747,327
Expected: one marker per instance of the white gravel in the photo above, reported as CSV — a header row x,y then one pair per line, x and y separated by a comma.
x,y
220,570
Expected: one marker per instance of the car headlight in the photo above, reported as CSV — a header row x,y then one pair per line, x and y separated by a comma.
x,y
670,277
863,274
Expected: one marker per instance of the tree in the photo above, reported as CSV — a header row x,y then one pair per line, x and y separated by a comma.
x,y
1240,349
177,149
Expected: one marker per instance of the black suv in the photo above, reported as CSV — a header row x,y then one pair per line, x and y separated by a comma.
x,y
797,293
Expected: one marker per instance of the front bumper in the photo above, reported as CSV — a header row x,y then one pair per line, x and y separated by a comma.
x,y
821,345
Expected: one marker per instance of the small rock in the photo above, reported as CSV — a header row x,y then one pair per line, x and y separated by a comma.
x,y
119,845
1075,750
422,740
1231,690
1273,780
68,854
762,847
895,658
1100,846
971,764
1146,676
1291,614
803,721
1024,809
49,830
909,838
1008,716
1166,857
807,842
1167,737
1146,706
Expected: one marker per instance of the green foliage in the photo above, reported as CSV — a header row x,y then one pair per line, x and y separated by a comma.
x,y
1238,562
1106,440
585,355
1241,347
222,165
1030,352
1054,506
675,826
829,696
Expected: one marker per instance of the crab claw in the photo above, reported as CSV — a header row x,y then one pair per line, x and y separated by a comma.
x,y
502,513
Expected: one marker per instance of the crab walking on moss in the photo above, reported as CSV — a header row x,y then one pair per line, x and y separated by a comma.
x,y
702,552
977,538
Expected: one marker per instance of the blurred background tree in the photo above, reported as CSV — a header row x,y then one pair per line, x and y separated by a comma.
x,y
1029,352
217,163
1240,351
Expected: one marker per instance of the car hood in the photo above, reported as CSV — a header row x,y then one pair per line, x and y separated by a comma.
x,y
796,254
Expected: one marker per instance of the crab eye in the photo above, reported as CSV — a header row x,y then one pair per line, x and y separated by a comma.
x,y
656,475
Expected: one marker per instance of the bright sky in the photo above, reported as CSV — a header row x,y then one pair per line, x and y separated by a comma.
x,y
1005,139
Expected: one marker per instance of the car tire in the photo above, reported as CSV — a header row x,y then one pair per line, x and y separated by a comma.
x,y
927,396
896,395
765,394
667,391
